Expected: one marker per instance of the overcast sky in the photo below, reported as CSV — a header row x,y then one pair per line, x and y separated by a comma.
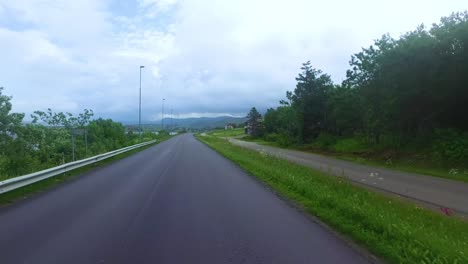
x,y
205,57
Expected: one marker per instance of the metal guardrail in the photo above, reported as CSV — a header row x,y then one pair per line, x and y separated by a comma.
x,y
18,182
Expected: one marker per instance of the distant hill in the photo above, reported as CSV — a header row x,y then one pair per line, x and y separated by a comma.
x,y
205,122
198,122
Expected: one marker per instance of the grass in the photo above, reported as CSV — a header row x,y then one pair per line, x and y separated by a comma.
x,y
397,231
264,142
26,191
227,133
408,166
413,158
405,163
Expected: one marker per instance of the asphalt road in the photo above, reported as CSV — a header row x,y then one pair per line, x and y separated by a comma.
x,y
176,202
430,191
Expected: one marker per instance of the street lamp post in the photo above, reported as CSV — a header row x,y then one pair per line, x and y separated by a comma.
x,y
139,109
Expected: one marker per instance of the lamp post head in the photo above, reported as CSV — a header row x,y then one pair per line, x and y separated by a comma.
x,y
141,67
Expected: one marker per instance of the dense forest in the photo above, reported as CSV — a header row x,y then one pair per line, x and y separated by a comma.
x,y
55,138
406,94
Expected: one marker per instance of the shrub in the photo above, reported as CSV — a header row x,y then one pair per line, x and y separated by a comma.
x,y
3,163
324,141
451,145
354,144
272,137
282,139
285,141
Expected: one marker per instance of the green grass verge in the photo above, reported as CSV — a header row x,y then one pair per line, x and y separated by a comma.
x,y
26,191
403,164
407,166
227,133
397,231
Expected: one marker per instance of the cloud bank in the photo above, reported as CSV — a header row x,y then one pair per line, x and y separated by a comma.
x,y
204,57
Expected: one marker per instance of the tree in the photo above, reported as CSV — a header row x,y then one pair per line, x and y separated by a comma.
x,y
47,142
271,121
410,86
309,100
106,135
451,48
344,111
281,125
255,123
411,91
60,119
9,122
14,156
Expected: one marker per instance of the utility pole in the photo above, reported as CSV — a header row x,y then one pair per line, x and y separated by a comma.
x,y
139,109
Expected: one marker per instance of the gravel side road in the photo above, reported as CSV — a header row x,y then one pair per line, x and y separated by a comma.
x,y
431,191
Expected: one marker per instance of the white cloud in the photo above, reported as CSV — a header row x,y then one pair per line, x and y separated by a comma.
x,y
252,50
161,3
75,61
154,8
202,56
34,47
71,23
148,45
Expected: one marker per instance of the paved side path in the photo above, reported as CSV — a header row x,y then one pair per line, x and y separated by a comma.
x,y
431,191
176,202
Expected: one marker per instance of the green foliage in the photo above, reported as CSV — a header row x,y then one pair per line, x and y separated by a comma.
x,y
398,93
9,122
350,145
255,123
309,100
228,133
281,139
283,121
106,135
451,145
47,141
273,137
60,119
324,141
27,190
3,165
397,231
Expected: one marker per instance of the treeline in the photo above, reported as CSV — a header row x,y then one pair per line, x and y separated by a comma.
x,y
54,138
398,93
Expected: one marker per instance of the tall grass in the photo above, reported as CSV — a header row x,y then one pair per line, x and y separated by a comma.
x,y
228,133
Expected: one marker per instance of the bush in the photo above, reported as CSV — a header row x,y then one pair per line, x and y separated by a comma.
x,y
285,141
451,145
354,144
272,137
3,163
324,141
281,139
